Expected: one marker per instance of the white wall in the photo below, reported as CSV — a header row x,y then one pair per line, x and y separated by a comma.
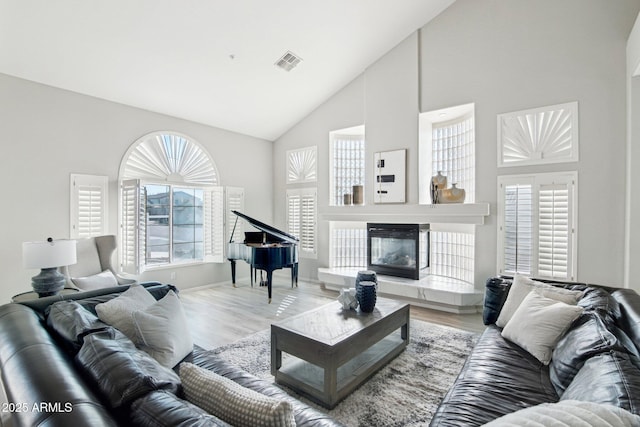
x,y
48,133
504,55
632,249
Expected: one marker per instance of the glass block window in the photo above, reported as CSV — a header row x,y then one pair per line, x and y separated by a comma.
x,y
453,153
452,255
347,164
348,245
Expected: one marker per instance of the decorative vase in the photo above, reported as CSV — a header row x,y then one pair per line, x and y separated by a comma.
x,y
453,195
366,276
366,294
346,199
438,183
358,194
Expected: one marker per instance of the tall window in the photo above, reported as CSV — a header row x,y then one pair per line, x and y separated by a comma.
x,y
172,211
302,219
537,225
347,162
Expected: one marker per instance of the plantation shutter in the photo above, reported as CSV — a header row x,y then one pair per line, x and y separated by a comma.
x,y
89,208
554,230
214,231
301,218
517,229
234,202
308,222
132,227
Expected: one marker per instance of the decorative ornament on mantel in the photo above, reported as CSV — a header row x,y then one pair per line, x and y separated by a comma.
x,y
453,194
441,194
438,183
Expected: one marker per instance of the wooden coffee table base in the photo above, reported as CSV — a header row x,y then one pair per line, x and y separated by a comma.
x,y
337,351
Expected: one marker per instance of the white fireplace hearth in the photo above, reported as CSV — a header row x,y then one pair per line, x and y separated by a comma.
x,y
431,291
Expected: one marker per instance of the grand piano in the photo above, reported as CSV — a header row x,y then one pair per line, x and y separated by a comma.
x,y
267,250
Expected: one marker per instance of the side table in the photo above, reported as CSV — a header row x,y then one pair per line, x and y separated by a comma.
x,y
27,296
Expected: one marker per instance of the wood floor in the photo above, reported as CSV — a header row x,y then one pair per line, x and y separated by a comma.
x,y
222,314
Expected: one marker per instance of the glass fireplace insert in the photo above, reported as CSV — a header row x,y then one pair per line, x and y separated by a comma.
x,y
400,250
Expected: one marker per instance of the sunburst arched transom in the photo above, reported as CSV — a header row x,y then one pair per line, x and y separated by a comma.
x,y
538,136
168,156
302,165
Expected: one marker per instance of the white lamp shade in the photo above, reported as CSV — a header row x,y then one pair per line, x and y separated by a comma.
x,y
56,253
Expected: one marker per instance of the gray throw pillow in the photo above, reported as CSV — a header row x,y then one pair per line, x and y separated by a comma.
x,y
118,312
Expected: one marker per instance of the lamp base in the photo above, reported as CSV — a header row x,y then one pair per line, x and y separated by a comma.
x,y
49,282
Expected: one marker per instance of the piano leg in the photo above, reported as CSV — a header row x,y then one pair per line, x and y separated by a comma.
x,y
269,277
233,272
251,275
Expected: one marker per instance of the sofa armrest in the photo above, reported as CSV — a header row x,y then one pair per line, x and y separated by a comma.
x,y
496,291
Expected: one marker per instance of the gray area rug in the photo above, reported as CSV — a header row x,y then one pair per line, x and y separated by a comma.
x,y
406,392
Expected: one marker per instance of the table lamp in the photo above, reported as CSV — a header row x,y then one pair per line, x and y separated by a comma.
x,y
48,256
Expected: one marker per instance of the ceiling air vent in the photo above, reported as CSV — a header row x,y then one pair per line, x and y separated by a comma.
x,y
288,61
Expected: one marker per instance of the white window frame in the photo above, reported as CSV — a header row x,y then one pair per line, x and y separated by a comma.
x,y
302,165
538,182
302,219
346,166
134,227
89,205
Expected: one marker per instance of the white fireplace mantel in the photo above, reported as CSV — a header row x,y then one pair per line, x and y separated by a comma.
x,y
463,213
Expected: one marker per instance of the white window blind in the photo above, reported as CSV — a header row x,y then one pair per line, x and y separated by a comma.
x,y
89,205
301,218
453,153
554,231
347,165
234,200
537,225
518,240
132,227
214,231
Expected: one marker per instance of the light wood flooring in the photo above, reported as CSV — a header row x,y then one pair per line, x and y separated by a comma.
x,y
222,314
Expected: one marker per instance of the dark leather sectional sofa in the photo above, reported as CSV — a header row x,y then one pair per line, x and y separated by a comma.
x,y
602,345
48,384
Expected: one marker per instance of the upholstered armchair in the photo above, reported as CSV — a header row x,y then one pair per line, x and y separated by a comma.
x,y
93,269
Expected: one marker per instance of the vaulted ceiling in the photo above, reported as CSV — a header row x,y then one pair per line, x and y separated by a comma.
x,y
209,61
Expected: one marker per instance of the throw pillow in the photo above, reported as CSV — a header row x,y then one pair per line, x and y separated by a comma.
x,y
520,289
162,331
568,413
105,279
539,323
118,312
232,402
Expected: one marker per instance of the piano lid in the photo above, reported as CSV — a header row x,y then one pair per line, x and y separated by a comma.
x,y
268,229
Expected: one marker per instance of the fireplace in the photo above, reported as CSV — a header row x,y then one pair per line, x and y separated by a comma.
x,y
400,250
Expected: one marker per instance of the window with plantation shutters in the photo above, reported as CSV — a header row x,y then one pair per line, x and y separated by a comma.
x,y
172,210
234,201
301,219
537,225
89,207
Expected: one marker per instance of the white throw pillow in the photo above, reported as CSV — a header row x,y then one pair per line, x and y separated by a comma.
x,y
162,331
539,323
232,402
105,279
118,312
521,287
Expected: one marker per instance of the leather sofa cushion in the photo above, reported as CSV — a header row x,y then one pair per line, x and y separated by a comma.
x,y
164,409
599,300
611,378
590,335
629,317
122,372
498,378
72,322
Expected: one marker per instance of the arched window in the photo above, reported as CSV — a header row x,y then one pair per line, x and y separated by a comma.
x,y
172,206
